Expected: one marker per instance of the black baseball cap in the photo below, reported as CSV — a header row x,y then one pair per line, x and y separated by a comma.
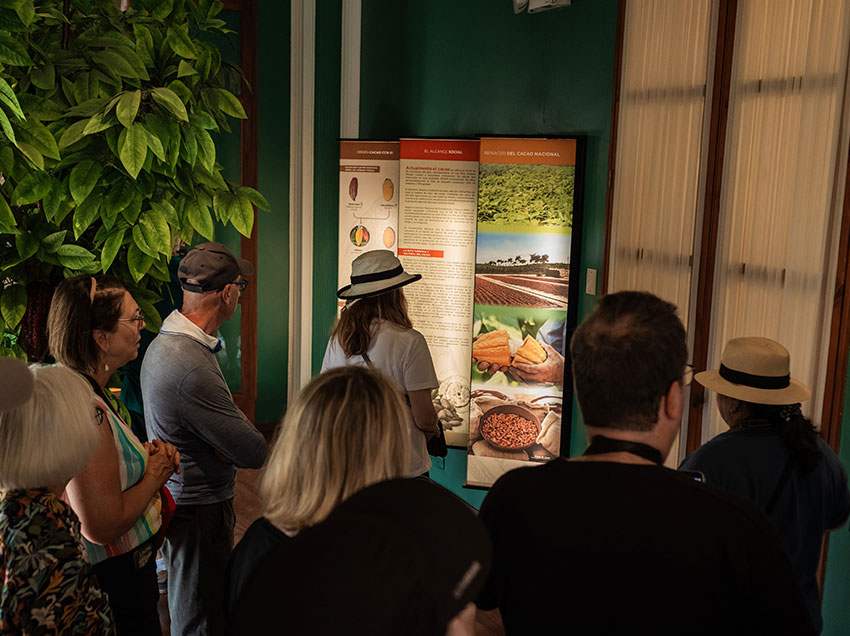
x,y
210,267
401,557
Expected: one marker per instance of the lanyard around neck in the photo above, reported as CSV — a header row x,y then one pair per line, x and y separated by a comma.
x,y
600,445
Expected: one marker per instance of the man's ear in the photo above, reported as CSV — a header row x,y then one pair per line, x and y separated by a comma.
x,y
673,402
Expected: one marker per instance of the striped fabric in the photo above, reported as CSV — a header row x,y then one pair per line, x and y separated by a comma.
x,y
132,458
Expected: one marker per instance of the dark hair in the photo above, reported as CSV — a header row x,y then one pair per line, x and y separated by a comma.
x,y
355,325
798,434
74,316
624,357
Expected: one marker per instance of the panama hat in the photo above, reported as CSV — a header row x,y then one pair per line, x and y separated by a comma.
x,y
756,370
375,272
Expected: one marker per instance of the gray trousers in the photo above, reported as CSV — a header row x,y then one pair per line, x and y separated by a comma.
x,y
197,548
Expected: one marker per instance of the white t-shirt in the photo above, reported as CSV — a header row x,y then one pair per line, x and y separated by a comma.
x,y
403,356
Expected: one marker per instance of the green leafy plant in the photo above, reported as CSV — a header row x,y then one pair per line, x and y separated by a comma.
x,y
538,195
107,151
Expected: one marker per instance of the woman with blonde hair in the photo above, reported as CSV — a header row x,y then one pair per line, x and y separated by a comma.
x,y
374,330
94,328
340,435
46,437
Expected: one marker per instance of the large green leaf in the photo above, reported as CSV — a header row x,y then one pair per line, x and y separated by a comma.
x,y
31,188
27,245
32,154
120,196
200,218
25,10
40,137
8,97
110,248
13,305
12,51
181,90
84,177
114,64
72,134
53,242
127,107
133,60
7,218
6,125
228,103
140,241
155,145
144,43
138,262
131,212
133,148
44,77
97,123
74,257
181,43
202,119
185,69
189,148
53,200
167,211
169,100
87,108
156,231
254,197
243,216
86,213
206,149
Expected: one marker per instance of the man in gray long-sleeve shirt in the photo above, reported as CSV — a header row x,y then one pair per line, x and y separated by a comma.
x,y
188,404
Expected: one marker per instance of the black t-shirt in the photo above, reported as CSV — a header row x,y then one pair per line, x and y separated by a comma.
x,y
257,543
607,548
748,462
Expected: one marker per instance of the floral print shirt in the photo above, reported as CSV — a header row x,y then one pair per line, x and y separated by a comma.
x,y
47,585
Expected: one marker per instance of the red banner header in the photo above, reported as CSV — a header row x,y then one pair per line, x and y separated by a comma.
x,y
440,149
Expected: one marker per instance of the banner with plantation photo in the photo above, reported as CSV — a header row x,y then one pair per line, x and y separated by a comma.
x,y
526,192
368,200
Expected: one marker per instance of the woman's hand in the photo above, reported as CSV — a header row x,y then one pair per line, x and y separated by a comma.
x,y
170,450
160,466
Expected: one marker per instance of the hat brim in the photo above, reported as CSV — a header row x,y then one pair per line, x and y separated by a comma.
x,y
792,394
364,290
246,268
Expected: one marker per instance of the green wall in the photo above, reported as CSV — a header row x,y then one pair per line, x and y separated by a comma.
x,y
446,68
273,35
836,595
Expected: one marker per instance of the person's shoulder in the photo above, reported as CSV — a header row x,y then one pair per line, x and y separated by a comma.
x,y
526,479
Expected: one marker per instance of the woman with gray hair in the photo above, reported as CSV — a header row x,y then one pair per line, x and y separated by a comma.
x,y
46,437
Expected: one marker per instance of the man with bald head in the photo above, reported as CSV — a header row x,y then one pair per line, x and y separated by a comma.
x,y
188,404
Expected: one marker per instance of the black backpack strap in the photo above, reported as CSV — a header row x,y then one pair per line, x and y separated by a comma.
x,y
780,486
367,359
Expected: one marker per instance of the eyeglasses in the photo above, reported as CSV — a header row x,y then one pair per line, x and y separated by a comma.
x,y
689,374
138,318
242,284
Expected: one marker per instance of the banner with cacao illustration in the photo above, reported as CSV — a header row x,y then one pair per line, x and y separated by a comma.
x,y
526,193
439,192
368,200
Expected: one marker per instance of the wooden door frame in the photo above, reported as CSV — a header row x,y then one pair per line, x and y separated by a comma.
x,y
246,396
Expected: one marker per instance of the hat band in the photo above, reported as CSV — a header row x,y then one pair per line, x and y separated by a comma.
x,y
755,381
371,278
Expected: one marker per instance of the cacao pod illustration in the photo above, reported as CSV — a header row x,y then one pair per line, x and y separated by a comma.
x,y
359,235
352,188
389,189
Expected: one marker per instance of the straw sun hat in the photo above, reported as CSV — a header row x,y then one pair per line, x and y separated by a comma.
x,y
756,370
375,272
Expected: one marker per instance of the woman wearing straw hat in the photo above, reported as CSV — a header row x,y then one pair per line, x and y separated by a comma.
x,y
374,330
772,454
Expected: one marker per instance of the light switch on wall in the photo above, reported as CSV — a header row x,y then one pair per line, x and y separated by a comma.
x,y
590,282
